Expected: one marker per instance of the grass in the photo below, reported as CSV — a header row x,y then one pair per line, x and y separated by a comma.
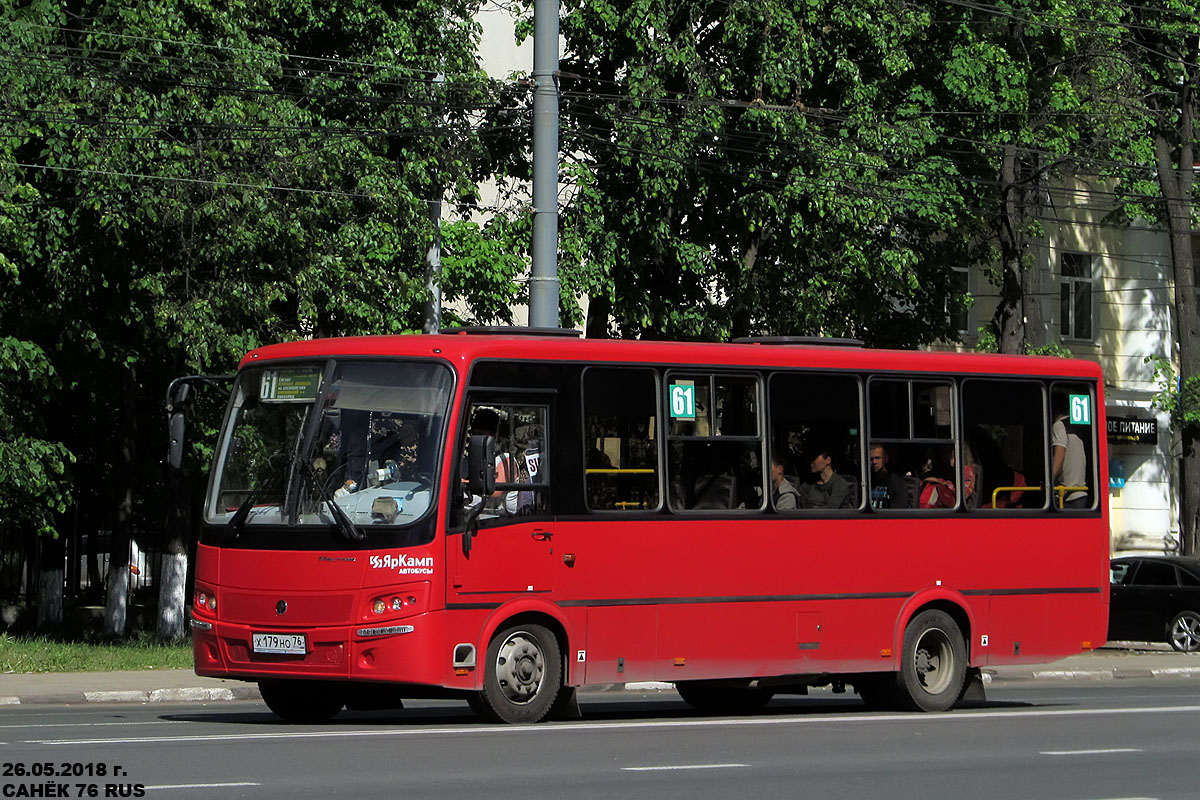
x,y
46,654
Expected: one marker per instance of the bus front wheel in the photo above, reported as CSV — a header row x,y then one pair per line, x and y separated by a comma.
x,y
934,662
523,675
302,701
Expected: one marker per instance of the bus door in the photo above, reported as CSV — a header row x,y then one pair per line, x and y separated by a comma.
x,y
511,550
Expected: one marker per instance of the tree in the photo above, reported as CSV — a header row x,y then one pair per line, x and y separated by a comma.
x,y
1153,151
188,181
739,169
34,485
1022,87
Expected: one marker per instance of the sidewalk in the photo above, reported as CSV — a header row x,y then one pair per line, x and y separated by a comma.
x,y
1112,662
141,686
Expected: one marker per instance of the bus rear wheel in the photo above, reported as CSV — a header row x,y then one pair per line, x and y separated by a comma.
x,y
722,698
302,701
933,666
522,677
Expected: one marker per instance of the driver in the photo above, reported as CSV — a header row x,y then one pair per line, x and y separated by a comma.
x,y
395,444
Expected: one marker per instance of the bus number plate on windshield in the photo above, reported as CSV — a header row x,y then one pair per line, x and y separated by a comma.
x,y
286,643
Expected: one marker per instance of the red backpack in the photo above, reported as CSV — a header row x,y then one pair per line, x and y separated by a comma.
x,y
937,493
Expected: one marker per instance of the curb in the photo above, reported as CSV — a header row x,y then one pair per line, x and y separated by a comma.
x,y
178,695
1114,673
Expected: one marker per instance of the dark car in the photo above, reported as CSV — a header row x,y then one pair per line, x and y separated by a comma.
x,y
1156,599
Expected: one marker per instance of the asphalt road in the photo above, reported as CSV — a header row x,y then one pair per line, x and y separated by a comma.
x,y
1074,741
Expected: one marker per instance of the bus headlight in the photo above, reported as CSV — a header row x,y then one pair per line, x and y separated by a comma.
x,y
206,600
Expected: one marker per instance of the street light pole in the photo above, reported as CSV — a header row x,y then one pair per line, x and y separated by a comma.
x,y
543,292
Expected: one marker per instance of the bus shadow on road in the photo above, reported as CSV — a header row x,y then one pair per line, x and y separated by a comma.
x,y
593,707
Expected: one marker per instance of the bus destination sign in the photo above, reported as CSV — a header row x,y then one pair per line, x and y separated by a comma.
x,y
1130,430
289,385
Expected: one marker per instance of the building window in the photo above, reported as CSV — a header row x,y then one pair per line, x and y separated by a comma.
x,y
1075,299
959,303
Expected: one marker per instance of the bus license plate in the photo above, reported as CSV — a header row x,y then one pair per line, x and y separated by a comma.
x,y
287,643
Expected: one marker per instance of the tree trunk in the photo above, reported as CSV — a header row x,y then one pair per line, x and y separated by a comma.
x,y
116,603
172,572
1009,319
596,326
1175,176
50,581
747,286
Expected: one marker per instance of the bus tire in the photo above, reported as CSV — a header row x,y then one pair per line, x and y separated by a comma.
x,y
721,698
933,665
302,701
522,675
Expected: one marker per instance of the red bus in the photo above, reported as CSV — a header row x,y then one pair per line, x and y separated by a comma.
x,y
506,517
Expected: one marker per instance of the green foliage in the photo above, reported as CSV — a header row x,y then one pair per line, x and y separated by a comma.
x,y
34,480
182,181
986,343
1056,349
1179,398
738,169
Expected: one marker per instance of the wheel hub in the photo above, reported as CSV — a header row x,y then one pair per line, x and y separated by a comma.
x,y
520,667
931,654
1186,635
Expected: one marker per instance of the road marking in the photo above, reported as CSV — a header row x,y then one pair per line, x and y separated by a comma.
x,y
682,766
94,724
600,727
1105,751
201,785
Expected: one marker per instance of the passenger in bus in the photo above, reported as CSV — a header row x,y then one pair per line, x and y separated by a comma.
x,y
829,490
1069,460
994,472
970,477
486,422
888,489
393,447
783,494
528,469
937,480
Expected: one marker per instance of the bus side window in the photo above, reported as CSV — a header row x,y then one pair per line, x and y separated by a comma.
x,y
812,415
715,456
621,469
1004,442
912,423
1072,469
520,432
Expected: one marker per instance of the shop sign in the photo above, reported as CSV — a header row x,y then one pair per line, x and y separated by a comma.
x,y
1131,430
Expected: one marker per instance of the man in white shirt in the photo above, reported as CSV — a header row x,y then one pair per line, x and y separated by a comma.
x,y
1070,462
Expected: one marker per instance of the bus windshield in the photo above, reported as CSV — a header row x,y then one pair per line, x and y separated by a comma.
x,y
353,444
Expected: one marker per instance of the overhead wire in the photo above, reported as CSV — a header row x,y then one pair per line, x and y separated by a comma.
x,y
730,137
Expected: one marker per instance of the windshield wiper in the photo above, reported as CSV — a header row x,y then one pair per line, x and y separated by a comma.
x,y
308,434
238,520
347,527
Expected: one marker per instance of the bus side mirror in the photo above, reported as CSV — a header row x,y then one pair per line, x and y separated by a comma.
x,y
179,397
481,465
175,430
